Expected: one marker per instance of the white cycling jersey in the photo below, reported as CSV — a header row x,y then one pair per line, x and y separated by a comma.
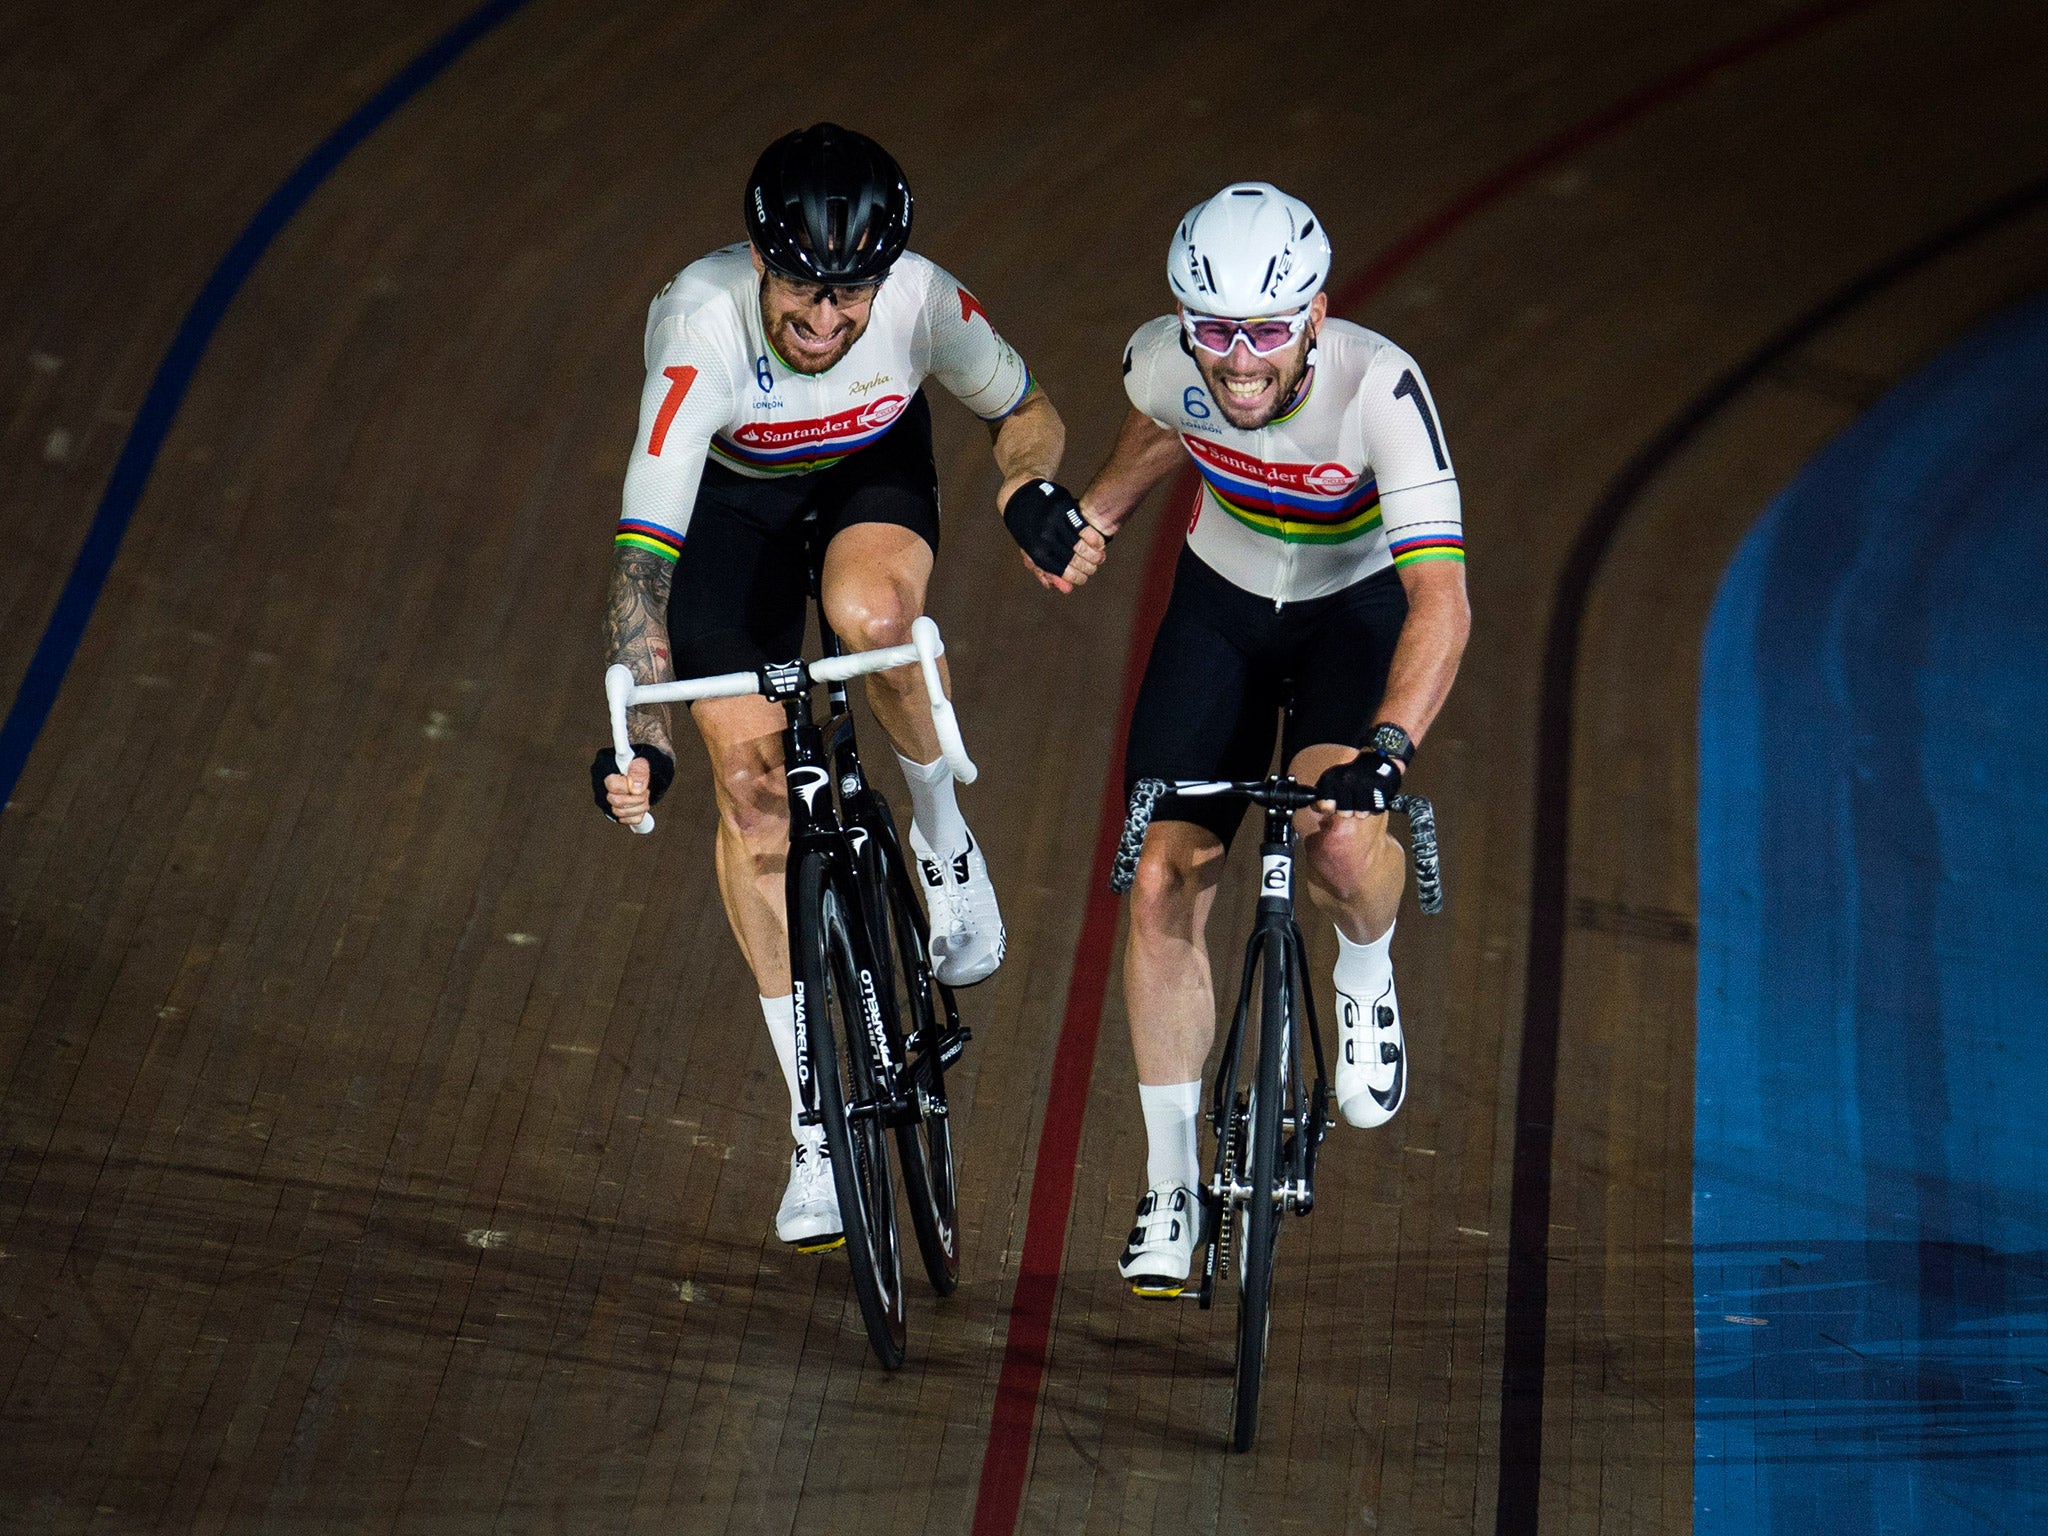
x,y
1352,480
716,389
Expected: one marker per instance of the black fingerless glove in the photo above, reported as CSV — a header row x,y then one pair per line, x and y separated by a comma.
x,y
1046,522
1368,782
661,772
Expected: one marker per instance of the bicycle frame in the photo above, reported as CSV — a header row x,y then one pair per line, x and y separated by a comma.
x,y
1306,1119
1273,925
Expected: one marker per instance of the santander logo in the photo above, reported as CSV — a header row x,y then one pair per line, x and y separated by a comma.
x,y
857,421
1326,479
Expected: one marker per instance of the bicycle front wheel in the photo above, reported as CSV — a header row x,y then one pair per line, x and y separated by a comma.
x,y
833,1020
1259,1220
926,1143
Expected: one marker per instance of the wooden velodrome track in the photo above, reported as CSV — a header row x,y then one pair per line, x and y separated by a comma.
x,y
390,1143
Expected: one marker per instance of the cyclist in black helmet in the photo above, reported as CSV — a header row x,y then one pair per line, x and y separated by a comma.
x,y
784,376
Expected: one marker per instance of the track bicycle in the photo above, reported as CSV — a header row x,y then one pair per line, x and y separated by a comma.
x,y
1267,1133
875,1030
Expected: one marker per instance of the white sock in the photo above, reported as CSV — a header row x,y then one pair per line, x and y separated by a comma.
x,y
780,1012
1171,1110
1363,970
933,810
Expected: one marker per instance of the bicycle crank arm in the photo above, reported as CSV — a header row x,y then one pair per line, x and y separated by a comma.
x,y
888,1112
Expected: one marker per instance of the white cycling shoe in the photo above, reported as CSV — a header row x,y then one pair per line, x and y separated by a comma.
x,y
1161,1247
1372,1057
809,1215
967,926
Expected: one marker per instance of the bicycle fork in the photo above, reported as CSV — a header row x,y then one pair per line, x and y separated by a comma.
x,y
1304,1118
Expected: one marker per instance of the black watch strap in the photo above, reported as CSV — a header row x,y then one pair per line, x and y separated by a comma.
x,y
1393,741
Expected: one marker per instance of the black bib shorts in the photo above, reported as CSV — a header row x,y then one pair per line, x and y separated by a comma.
x,y
1209,706
741,589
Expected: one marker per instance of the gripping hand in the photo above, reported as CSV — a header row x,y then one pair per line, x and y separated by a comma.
x,y
661,772
1045,520
1367,783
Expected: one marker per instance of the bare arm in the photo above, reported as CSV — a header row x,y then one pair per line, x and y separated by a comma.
x,y
636,634
1029,443
1145,454
1431,644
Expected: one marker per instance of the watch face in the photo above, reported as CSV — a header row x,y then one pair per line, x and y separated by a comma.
x,y
1393,741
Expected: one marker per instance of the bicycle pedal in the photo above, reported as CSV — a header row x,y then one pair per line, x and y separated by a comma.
x,y
1178,1292
825,1245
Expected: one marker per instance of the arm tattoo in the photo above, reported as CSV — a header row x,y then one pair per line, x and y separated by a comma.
x,y
636,633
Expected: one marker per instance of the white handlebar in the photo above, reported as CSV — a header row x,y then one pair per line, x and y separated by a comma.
x,y
618,693
924,639
621,693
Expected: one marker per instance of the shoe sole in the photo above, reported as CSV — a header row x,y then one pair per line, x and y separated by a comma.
x,y
1381,1118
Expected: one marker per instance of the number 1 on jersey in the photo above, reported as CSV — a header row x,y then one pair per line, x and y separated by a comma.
x,y
1411,389
680,378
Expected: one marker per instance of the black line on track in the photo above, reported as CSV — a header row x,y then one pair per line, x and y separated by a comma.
x,y
1528,1280
90,568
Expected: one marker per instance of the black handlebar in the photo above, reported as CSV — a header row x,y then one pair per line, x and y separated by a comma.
x,y
1280,794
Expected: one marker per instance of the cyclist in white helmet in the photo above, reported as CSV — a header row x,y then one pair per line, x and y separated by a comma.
x,y
1326,550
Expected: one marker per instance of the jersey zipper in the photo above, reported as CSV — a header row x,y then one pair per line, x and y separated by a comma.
x,y
1285,578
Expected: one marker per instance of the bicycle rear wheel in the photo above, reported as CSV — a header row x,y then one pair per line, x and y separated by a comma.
x,y
1259,1220
926,1143
833,1019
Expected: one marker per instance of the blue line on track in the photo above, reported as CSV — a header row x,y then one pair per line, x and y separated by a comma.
x,y
74,608
1871,1155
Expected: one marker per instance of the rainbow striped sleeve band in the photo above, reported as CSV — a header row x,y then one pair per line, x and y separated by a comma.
x,y
652,537
1416,548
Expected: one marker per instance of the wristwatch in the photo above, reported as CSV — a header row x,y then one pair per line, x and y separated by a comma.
x,y
1391,740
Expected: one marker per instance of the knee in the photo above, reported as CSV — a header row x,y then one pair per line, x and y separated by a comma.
x,y
1165,896
752,809
1343,854
869,620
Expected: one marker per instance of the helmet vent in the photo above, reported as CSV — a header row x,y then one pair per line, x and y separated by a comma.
x,y
1247,251
827,205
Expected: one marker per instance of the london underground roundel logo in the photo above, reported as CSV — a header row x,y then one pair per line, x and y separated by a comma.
x,y
1330,479
879,413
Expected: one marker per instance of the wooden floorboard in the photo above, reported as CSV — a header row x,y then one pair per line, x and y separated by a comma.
x,y
388,1144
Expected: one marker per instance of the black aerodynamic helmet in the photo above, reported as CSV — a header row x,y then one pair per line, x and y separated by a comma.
x,y
828,205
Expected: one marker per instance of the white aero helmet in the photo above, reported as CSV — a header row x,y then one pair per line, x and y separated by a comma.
x,y
1250,250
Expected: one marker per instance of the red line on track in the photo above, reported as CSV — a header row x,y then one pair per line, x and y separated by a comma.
x,y
1008,1456
1007,1459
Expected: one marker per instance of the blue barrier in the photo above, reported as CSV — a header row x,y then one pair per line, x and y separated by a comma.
x,y
1871,1153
